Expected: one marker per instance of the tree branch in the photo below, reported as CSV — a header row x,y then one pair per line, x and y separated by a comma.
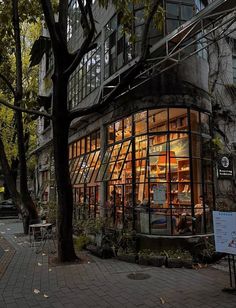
x,y
29,111
84,19
51,24
86,45
63,13
8,84
144,45
16,26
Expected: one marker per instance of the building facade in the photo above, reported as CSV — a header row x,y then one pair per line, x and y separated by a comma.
x,y
145,161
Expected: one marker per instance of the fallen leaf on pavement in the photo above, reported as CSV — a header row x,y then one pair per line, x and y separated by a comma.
x,y
36,291
199,266
162,300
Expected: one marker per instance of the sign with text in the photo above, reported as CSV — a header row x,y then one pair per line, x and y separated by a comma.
x,y
161,194
225,167
225,231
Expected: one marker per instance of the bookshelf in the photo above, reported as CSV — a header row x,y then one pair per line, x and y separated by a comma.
x,y
180,192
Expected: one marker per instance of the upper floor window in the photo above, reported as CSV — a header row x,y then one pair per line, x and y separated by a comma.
x,y
177,13
117,46
139,20
86,78
199,5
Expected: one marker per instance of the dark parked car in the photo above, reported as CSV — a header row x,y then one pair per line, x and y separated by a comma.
x,y
8,209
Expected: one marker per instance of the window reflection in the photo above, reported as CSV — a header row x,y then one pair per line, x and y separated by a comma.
x,y
157,120
140,120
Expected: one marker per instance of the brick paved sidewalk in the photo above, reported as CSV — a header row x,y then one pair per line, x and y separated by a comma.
x,y
30,281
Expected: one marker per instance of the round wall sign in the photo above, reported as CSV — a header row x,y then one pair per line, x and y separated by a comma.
x,y
225,162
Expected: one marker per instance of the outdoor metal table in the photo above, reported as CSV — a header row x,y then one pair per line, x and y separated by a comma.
x,y
39,233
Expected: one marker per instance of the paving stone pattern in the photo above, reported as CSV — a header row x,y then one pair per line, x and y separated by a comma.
x,y
31,281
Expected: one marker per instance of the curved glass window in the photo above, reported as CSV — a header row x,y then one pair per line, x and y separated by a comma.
x,y
160,179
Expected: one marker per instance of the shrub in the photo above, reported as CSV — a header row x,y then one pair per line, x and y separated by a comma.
x,y
81,242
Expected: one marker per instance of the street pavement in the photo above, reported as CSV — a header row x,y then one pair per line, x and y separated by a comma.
x,y
28,279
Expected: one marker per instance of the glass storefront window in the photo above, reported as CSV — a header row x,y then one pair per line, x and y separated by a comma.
x,y
118,131
88,144
104,163
140,120
78,148
82,146
111,135
180,147
120,160
141,147
77,173
178,120
128,127
155,176
141,170
70,151
157,120
157,144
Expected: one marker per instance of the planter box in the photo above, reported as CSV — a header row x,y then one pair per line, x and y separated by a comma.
x,y
152,260
157,261
174,263
188,263
143,260
177,263
131,258
101,252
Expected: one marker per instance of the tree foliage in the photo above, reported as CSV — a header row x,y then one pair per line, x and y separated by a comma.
x,y
30,30
18,88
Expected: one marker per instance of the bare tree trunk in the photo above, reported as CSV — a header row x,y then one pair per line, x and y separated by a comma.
x,y
64,189
25,195
9,178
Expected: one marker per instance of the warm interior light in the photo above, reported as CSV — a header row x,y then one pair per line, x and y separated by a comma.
x,y
163,159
